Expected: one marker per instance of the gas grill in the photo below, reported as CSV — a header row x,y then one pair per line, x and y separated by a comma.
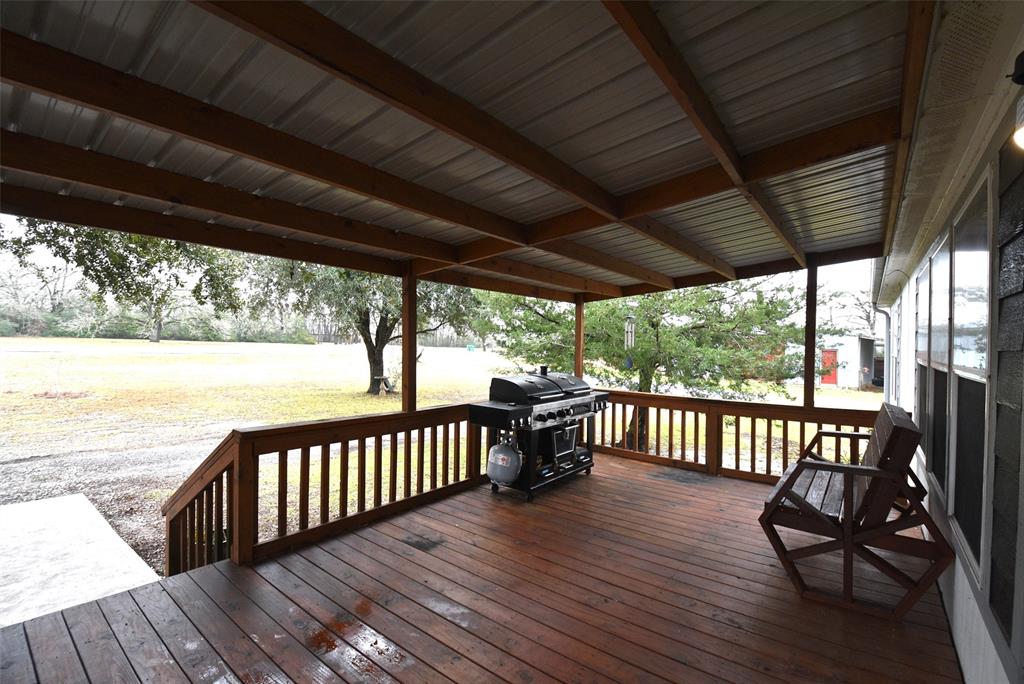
x,y
534,434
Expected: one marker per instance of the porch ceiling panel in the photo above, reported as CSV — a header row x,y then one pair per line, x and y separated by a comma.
x,y
638,249
560,263
562,74
838,204
233,70
766,65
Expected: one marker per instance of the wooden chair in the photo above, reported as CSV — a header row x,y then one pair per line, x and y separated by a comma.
x,y
859,506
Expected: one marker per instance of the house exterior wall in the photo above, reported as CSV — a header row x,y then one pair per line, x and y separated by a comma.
x,y
987,653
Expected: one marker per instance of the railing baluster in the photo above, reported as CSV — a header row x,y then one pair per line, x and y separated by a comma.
x,y
208,542
282,493
671,433
683,416
419,460
456,455
803,437
768,447
190,535
229,515
378,467
200,529
696,437
785,444
407,472
393,470
304,488
433,457
444,455
325,483
343,479
657,432
753,444
218,517
361,475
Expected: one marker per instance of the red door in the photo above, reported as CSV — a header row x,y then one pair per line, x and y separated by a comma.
x,y
830,361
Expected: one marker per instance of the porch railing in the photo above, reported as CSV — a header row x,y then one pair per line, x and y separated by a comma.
x,y
748,440
265,490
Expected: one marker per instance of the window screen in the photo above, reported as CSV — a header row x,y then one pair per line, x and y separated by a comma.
x,y
937,417
970,460
921,409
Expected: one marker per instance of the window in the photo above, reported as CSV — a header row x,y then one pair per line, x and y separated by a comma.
x,y
938,344
922,308
970,363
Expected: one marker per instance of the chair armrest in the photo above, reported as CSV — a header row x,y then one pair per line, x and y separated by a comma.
x,y
865,471
838,433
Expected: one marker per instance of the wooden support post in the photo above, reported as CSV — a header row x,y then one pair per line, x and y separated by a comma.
x,y
810,331
578,365
409,341
243,505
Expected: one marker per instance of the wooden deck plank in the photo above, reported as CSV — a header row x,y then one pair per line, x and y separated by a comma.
x,y
15,657
101,654
344,624
143,647
197,658
420,643
340,656
463,641
624,605
243,656
638,572
683,591
53,651
287,653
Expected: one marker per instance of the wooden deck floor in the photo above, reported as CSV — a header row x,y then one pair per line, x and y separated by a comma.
x,y
636,573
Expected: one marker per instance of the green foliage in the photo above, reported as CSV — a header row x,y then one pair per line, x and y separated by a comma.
x,y
709,340
339,300
136,270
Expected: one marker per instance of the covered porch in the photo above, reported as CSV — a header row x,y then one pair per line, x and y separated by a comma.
x,y
635,169
638,572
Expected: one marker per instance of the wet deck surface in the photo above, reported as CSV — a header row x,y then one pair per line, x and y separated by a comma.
x,y
635,573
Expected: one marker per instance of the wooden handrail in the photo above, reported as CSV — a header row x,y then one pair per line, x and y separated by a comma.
x,y
703,433
218,507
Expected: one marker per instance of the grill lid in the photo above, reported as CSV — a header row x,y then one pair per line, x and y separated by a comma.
x,y
536,388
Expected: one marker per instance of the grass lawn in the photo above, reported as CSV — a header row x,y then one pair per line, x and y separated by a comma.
x,y
63,395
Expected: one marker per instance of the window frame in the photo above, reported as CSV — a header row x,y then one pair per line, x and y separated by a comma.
x,y
978,569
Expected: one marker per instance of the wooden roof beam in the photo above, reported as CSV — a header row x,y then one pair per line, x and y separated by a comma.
x,y
48,206
526,271
35,66
828,144
75,165
915,55
309,35
640,23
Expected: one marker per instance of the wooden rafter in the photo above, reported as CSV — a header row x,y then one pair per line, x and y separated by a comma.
x,y
661,233
49,206
527,271
915,56
824,145
75,165
35,66
765,268
640,23
312,37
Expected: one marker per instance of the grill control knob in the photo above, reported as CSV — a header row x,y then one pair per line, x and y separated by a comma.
x,y
561,413
541,418
551,415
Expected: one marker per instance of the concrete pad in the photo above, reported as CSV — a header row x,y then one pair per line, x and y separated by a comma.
x,y
59,552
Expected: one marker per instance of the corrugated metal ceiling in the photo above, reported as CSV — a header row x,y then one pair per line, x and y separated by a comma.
x,y
562,74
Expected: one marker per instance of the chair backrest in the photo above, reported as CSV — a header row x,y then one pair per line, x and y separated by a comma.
x,y
891,447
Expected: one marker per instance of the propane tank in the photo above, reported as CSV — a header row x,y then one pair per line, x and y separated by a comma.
x,y
504,461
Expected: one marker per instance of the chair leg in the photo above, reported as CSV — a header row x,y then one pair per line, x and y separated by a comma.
x,y
783,553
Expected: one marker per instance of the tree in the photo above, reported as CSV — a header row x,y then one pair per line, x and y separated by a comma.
x,y
367,303
136,270
710,340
